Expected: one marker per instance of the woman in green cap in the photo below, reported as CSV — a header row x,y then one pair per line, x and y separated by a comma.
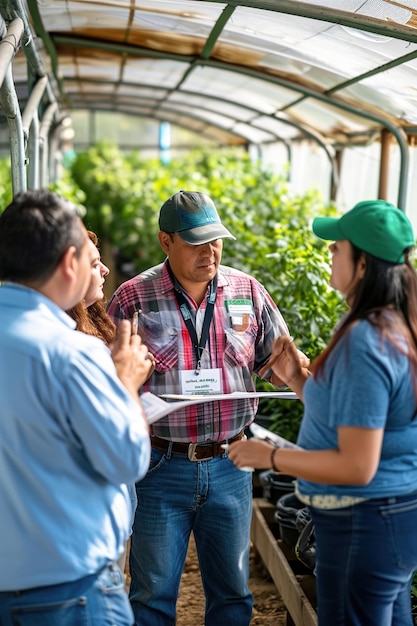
x,y
357,469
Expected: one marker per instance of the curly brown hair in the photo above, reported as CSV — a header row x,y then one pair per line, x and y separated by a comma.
x,y
94,320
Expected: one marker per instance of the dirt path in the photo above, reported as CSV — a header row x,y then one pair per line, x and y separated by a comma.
x,y
268,607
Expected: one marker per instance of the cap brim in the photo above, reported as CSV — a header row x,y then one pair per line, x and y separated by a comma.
x,y
204,234
328,228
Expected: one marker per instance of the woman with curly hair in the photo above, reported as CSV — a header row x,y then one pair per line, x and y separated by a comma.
x,y
90,314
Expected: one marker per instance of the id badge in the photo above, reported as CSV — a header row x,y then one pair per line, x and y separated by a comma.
x,y
240,312
207,381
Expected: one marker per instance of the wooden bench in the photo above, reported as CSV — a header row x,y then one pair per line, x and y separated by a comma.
x,y
297,590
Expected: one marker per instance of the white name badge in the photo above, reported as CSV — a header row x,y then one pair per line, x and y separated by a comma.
x,y
207,381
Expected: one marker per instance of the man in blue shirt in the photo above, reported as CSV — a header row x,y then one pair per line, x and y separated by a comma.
x,y
72,429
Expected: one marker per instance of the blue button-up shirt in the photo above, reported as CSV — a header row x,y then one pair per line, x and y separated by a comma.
x,y
70,437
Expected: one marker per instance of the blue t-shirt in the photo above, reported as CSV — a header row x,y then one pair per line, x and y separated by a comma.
x,y
70,436
366,383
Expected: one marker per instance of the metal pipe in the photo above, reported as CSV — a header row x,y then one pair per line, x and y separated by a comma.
x,y
33,102
9,9
44,142
9,44
55,150
10,105
33,153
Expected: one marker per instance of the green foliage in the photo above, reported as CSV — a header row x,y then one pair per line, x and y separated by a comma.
x,y
6,192
67,188
122,201
274,241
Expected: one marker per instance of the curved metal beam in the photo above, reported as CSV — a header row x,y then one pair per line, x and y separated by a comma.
x,y
10,105
44,128
33,153
161,118
288,120
9,44
128,109
32,103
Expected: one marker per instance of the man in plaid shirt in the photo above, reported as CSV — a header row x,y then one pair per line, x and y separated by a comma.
x,y
209,328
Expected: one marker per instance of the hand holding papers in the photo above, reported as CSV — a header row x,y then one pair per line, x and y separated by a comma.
x,y
261,434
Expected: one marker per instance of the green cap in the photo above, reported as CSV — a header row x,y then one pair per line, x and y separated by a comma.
x,y
194,217
374,226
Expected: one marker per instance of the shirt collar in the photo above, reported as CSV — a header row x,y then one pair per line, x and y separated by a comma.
x,y
29,298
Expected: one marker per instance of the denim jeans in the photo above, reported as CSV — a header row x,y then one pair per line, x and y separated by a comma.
x,y
212,499
366,556
96,600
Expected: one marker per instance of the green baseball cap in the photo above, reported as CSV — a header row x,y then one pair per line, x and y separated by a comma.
x,y
194,217
374,226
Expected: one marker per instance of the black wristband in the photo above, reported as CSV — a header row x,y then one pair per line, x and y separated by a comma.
x,y
274,467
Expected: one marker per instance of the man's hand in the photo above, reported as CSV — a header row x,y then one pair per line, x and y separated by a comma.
x,y
133,362
288,364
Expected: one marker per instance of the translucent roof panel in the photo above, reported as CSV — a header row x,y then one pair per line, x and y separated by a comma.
x,y
238,87
213,102
281,129
246,71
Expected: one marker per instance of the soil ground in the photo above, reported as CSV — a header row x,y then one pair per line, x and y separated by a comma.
x,y
268,607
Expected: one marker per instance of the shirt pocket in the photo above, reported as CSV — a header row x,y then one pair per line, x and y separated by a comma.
x,y
161,339
240,346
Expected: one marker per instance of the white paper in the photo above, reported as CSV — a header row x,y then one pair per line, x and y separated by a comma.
x,y
259,432
156,407
235,395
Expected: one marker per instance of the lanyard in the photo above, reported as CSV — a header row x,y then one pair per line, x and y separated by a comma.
x,y
186,315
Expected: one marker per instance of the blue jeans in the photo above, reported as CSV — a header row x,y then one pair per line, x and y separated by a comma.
x,y
96,600
212,499
366,557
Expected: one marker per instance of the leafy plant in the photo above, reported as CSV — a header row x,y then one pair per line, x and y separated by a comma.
x,y
6,192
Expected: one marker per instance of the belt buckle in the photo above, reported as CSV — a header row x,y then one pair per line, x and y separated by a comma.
x,y
191,453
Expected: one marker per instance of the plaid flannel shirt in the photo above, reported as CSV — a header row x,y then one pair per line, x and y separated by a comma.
x,y
237,350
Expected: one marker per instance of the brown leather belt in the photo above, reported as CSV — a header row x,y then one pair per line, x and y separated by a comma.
x,y
194,451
